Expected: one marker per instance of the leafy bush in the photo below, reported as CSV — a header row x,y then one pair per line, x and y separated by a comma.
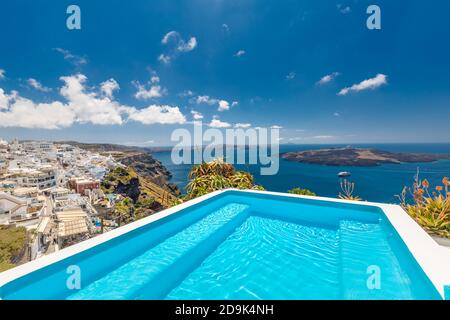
x,y
217,175
430,208
12,244
302,192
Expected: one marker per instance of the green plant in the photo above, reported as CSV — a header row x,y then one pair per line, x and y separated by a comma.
x,y
430,209
217,175
12,244
303,192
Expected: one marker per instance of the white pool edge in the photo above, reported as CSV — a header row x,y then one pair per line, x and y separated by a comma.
x,y
431,257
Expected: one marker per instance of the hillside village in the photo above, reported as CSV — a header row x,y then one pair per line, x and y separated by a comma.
x,y
53,195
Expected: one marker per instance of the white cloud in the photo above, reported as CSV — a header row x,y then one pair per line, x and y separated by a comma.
x,y
87,106
186,93
2,74
27,114
4,99
196,115
225,27
154,79
158,114
81,106
154,90
207,100
323,137
291,75
37,85
164,58
180,46
108,87
72,58
373,83
187,46
222,104
343,9
276,127
336,114
243,125
216,123
239,53
327,78
168,36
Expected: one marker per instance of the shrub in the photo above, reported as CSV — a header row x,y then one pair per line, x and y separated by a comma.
x,y
217,175
12,243
302,192
428,207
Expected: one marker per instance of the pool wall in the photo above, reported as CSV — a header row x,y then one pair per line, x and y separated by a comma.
x,y
432,258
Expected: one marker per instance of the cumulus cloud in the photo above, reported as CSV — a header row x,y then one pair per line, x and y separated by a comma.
x,y
81,106
243,125
196,115
187,46
72,58
327,78
88,106
158,114
372,83
154,89
222,104
25,113
2,74
4,99
240,53
37,85
108,87
217,123
179,45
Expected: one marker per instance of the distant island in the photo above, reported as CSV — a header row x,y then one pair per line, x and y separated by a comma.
x,y
359,157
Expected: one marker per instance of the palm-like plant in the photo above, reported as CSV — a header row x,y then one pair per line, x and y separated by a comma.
x,y
216,175
217,166
242,180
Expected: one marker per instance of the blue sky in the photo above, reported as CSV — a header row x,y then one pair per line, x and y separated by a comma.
x,y
137,71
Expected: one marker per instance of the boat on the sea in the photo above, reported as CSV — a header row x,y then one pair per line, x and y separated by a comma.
x,y
344,174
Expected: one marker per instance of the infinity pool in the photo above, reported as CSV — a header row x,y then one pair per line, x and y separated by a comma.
x,y
235,245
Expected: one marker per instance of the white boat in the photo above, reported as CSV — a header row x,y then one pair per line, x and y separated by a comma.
x,y
344,174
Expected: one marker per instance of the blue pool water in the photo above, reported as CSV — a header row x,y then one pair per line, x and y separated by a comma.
x,y
243,246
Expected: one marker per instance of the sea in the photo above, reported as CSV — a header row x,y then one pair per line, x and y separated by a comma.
x,y
381,183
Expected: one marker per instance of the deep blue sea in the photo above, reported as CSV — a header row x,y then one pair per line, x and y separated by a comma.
x,y
378,184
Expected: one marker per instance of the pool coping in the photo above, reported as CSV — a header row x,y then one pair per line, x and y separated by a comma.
x,y
431,257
